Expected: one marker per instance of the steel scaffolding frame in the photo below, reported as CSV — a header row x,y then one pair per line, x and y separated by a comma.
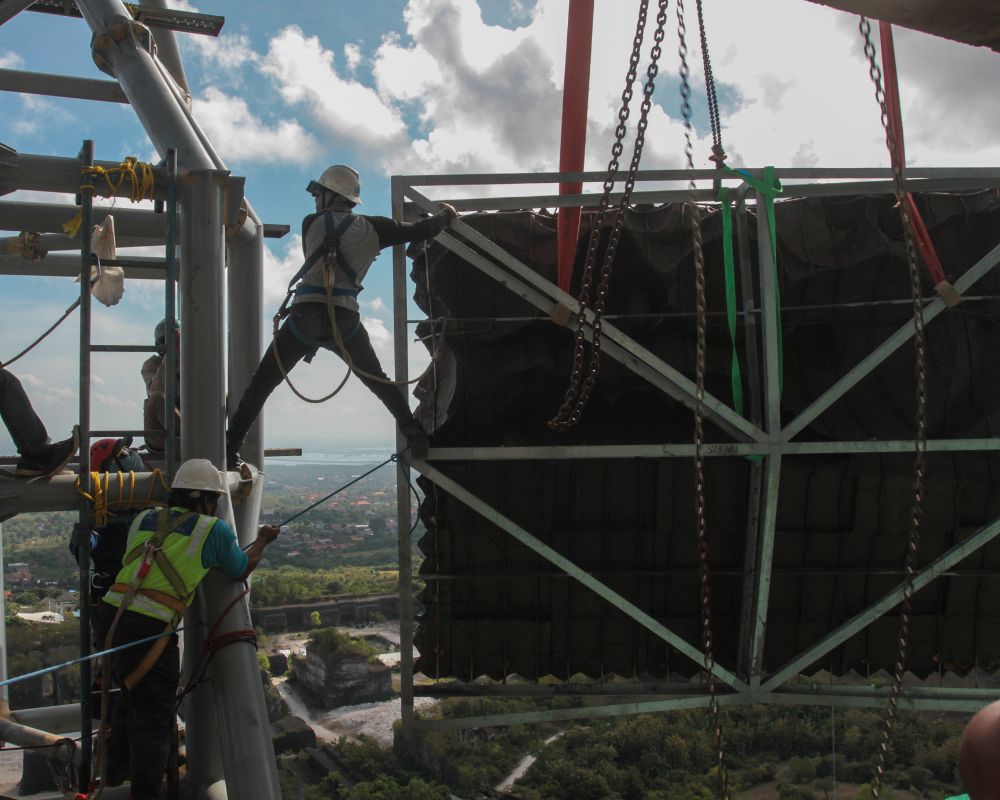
x,y
762,435
229,742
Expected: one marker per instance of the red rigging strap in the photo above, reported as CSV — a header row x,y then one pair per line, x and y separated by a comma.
x,y
898,153
576,88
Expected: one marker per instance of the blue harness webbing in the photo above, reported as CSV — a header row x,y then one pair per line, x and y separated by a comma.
x,y
332,240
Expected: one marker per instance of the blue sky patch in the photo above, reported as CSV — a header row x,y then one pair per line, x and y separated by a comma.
x,y
511,14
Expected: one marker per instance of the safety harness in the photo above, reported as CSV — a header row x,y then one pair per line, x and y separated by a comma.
x,y
329,249
150,551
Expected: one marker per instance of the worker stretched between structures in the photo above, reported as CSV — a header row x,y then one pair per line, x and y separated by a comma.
x,y
339,247
39,456
154,375
168,553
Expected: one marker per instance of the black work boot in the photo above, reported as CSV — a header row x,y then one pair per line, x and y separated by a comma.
x,y
233,459
50,460
416,437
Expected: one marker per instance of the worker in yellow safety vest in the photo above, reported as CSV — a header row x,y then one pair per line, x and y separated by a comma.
x,y
168,553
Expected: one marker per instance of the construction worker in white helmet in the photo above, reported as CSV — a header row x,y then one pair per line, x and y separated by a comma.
x,y
343,245
168,553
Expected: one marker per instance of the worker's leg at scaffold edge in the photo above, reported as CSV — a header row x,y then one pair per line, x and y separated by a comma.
x,y
147,709
266,379
25,428
363,357
38,456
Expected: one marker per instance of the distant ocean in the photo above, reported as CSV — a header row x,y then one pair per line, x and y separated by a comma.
x,y
346,456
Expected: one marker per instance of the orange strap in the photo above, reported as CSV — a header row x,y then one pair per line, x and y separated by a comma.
x,y
171,602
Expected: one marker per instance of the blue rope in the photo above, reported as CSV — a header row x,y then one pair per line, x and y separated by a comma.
x,y
98,654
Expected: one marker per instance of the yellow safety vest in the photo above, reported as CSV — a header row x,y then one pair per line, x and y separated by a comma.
x,y
175,569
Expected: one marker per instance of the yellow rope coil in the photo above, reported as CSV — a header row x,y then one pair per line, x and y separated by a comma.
x,y
142,182
103,501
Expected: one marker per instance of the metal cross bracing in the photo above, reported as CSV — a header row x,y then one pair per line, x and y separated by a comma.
x,y
168,18
229,743
762,434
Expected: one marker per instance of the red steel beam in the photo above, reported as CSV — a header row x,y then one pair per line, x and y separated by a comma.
x,y
576,88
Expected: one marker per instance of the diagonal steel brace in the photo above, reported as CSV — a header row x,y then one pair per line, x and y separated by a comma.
x,y
941,564
602,590
676,384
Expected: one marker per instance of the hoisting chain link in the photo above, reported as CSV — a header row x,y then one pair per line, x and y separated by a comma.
x,y
699,412
920,443
718,153
579,390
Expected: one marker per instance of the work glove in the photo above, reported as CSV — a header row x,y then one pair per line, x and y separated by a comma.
x,y
449,213
268,533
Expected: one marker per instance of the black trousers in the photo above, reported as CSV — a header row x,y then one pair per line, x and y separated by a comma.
x,y
26,429
313,322
139,744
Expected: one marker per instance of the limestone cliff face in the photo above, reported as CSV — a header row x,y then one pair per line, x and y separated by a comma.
x,y
341,679
277,708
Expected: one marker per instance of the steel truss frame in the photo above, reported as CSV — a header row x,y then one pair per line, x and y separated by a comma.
x,y
761,435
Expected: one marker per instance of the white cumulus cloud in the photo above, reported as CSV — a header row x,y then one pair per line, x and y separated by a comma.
x,y
307,78
241,136
11,60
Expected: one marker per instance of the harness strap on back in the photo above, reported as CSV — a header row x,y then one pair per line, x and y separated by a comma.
x,y
305,288
150,551
151,657
331,240
163,529
171,602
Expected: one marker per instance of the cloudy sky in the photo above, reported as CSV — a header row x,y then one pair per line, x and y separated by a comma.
x,y
448,86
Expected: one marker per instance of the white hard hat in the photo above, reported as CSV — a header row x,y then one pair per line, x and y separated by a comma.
x,y
341,179
198,474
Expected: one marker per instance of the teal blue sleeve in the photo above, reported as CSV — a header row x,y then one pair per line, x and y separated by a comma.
x,y
222,550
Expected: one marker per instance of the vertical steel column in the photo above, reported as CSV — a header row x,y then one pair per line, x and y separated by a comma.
x,y
170,314
228,729
403,515
233,692
772,410
202,398
202,274
576,93
245,290
83,539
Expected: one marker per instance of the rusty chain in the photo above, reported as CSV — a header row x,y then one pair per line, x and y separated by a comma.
x,y
579,390
699,413
919,465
